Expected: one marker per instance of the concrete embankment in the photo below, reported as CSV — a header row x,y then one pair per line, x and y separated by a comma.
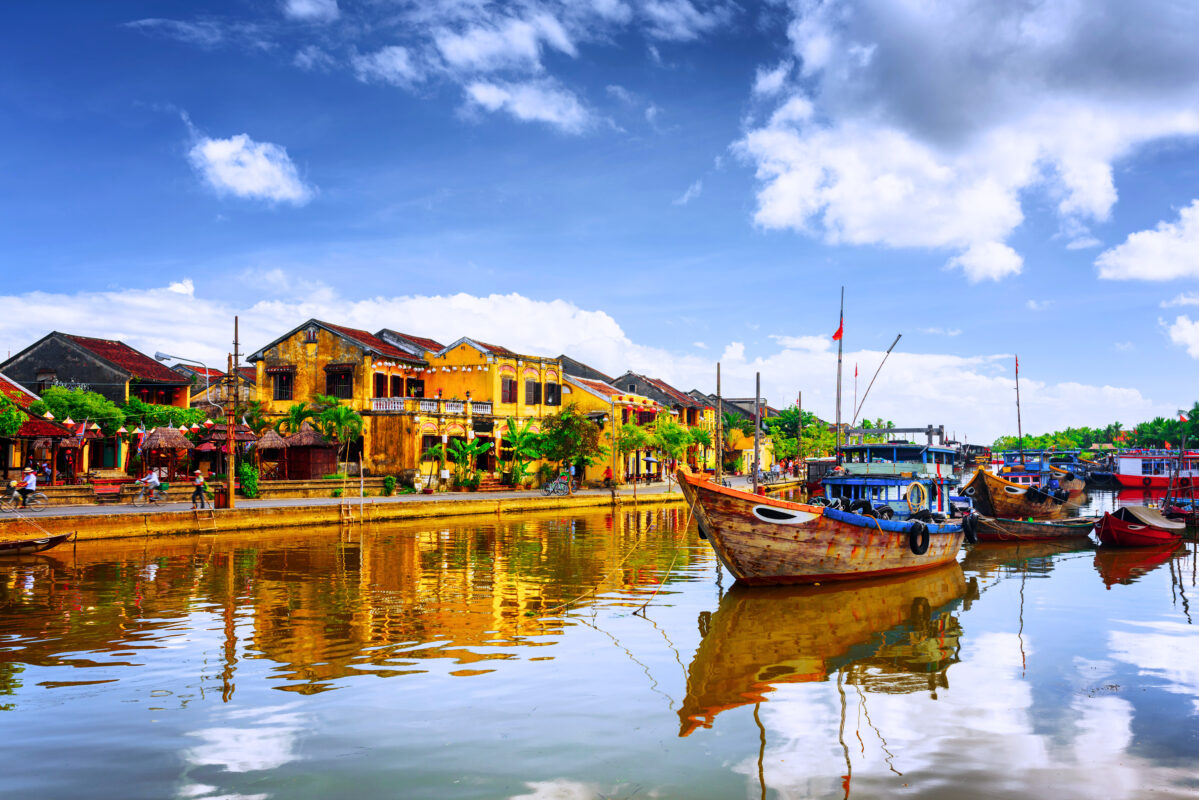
x,y
247,518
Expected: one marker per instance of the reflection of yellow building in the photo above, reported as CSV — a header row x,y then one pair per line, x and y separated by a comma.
x,y
610,407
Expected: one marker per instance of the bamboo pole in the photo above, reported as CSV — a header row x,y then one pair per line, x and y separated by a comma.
x,y
719,429
757,427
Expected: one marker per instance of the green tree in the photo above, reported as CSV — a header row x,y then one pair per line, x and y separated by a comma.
x,y
671,440
632,438
570,437
465,455
80,406
153,415
11,418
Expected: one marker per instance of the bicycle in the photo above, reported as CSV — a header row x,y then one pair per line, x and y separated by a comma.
x,y
149,494
11,501
559,486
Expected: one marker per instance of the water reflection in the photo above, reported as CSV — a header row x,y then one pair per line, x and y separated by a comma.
x,y
1125,566
892,635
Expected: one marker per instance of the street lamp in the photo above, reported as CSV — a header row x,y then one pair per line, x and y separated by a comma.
x,y
231,461
161,356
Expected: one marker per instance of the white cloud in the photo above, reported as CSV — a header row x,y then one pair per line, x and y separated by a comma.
x,y
988,261
246,168
512,43
770,81
1185,333
539,101
681,20
393,64
942,331
1169,251
1125,347
700,345
311,58
1184,299
311,10
204,34
1038,305
970,394
693,191
931,122
622,94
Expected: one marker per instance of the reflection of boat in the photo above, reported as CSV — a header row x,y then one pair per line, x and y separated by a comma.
x,y
995,497
764,540
1137,526
1125,566
28,546
985,558
760,637
1014,530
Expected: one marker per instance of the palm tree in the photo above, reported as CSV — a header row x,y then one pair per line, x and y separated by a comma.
x,y
343,424
524,446
296,415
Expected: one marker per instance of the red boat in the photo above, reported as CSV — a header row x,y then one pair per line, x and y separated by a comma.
x,y
1154,469
1137,526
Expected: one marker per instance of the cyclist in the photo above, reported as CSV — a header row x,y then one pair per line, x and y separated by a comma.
x,y
28,486
151,482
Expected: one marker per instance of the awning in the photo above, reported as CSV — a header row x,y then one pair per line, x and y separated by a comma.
x,y
1152,517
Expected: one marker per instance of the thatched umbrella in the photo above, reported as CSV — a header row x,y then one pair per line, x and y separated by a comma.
x,y
308,436
271,441
241,433
166,439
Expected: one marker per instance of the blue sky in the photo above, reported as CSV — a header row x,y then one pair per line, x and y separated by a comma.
x,y
646,184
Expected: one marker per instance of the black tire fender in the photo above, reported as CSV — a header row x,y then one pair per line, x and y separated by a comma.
x,y
970,528
918,538
1146,481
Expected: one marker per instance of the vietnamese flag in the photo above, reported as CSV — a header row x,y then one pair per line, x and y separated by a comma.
x,y
82,429
840,329
1182,417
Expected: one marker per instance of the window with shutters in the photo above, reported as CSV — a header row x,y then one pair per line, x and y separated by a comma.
x,y
397,386
553,394
381,385
508,390
340,383
532,392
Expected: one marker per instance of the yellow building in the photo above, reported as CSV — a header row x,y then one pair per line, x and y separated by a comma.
x,y
607,405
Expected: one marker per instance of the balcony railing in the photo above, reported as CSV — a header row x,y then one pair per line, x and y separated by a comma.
x,y
426,405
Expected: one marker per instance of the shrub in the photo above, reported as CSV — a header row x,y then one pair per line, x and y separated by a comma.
x,y
389,486
249,479
337,492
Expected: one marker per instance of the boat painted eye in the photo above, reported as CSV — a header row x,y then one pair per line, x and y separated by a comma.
x,y
782,516
1013,490
970,491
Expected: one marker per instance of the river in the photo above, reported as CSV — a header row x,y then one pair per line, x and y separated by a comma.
x,y
511,658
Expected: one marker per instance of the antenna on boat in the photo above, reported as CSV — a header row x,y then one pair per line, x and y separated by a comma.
x,y
858,410
1019,427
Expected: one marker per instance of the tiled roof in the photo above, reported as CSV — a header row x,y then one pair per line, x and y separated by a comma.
x,y
685,400
372,342
429,345
247,373
138,365
33,426
599,386
15,392
494,348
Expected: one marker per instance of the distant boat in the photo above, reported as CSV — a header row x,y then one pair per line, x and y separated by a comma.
x,y
1015,530
994,496
900,632
763,540
26,547
1138,526
1153,469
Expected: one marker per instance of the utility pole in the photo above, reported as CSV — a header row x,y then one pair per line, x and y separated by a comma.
x,y
840,341
1019,426
719,430
230,421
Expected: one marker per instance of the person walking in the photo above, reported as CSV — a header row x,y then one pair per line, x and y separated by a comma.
x,y
198,493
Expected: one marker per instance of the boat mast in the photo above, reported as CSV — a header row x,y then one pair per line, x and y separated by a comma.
x,y
719,431
840,341
1019,427
757,427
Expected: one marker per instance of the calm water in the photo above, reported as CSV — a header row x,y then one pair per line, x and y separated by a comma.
x,y
506,659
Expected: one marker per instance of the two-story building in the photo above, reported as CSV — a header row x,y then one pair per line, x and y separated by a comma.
x,y
105,366
610,408
211,391
686,410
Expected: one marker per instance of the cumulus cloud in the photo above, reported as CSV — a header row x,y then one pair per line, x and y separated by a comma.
x,y
693,191
970,394
512,43
1169,251
1184,299
533,101
245,168
1185,333
932,121
771,81
311,10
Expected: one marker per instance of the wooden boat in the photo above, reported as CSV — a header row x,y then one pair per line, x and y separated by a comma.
x,y
761,637
1070,481
1137,526
25,547
1125,565
995,497
764,540
1015,530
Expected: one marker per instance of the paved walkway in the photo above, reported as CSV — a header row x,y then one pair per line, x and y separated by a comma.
x,y
128,508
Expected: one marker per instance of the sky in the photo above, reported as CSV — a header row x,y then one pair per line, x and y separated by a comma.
x,y
655,185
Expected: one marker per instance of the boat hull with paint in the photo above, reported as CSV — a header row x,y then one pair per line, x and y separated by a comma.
x,y
995,497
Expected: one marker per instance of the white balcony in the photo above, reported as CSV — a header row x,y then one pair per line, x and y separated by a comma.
x,y
481,408
392,405
455,407
427,405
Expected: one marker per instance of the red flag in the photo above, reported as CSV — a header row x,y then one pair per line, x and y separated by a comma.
x,y
1167,445
1182,417
840,329
855,369
1017,365
82,428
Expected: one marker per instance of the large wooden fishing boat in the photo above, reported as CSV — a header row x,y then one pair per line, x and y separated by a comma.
x,y
993,496
1015,530
763,540
1138,526
1071,481
760,638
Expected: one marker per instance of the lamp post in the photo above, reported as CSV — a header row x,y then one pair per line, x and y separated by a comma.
x,y
161,356
230,461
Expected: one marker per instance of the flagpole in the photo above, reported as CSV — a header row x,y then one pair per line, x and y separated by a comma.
x,y
855,396
840,342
